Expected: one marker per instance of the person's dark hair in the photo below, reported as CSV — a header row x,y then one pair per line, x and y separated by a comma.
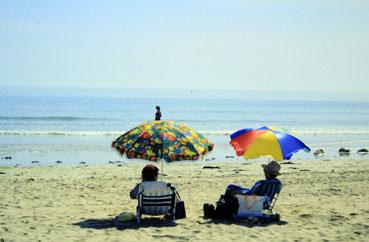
x,y
269,175
150,173
157,108
273,176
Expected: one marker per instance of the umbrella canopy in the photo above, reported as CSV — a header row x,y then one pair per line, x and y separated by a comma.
x,y
254,143
154,140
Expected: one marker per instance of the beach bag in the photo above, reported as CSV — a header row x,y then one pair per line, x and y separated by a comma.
x,y
209,210
250,205
227,206
180,208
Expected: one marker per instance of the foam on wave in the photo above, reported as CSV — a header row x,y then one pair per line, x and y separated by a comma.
x,y
204,132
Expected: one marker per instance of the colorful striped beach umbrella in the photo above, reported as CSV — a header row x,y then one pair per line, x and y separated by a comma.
x,y
254,143
155,140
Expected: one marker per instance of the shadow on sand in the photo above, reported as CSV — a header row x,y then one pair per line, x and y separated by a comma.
x,y
114,223
243,222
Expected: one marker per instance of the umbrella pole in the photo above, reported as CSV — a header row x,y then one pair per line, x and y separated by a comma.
x,y
161,158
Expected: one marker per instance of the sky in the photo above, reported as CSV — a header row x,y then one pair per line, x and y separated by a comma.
x,y
211,44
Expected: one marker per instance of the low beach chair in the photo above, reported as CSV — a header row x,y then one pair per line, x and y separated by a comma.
x,y
270,191
156,198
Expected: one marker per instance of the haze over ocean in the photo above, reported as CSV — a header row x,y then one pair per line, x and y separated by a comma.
x,y
74,125
76,74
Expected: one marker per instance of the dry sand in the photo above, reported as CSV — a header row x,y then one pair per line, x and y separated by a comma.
x,y
320,200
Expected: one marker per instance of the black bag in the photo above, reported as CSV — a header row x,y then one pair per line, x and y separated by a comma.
x,y
227,205
180,208
209,210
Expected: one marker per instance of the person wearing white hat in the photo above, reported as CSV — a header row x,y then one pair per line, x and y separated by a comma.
x,y
271,171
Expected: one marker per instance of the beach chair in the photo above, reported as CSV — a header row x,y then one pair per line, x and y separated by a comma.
x,y
272,190
268,192
156,198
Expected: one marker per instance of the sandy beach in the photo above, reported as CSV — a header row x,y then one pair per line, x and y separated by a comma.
x,y
321,201
93,91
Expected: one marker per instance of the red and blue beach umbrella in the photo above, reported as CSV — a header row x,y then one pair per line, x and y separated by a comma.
x,y
254,143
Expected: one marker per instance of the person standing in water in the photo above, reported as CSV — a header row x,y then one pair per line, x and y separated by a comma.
x,y
158,113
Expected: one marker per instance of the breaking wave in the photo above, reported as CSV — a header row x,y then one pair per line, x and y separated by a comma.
x,y
44,118
204,132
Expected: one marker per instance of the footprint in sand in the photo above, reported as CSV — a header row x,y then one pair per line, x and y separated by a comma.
x,y
171,237
337,217
306,215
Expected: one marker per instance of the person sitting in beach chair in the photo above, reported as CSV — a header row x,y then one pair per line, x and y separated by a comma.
x,y
154,197
269,187
243,202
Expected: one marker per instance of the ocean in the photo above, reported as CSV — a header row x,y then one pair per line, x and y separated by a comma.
x,y
40,126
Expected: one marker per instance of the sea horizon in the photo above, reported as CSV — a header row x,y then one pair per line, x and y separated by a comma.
x,y
78,125
358,95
